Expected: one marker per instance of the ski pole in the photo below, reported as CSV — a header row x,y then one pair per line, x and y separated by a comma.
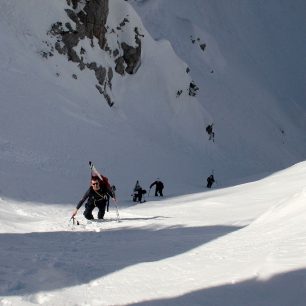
x,y
74,221
117,210
107,205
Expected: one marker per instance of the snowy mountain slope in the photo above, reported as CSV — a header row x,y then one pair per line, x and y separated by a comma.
x,y
242,245
53,118
250,74
53,123
237,246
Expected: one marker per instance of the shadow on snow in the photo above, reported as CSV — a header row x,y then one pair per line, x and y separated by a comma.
x,y
45,261
284,289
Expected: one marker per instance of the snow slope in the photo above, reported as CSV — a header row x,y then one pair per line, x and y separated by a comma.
x,y
243,245
251,75
52,124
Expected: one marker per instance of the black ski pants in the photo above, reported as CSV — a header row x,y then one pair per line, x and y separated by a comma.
x,y
159,190
89,207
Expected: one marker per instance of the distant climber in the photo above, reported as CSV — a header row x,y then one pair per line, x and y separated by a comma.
x,y
159,186
209,130
138,192
210,181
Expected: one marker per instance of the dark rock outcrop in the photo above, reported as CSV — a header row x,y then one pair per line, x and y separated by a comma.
x,y
88,20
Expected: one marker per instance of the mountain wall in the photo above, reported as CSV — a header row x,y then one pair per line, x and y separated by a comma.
x,y
61,72
132,86
247,58
89,20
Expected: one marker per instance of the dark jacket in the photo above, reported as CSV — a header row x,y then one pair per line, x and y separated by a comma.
x,y
159,185
94,196
211,179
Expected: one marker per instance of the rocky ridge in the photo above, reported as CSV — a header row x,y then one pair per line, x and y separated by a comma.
x,y
88,20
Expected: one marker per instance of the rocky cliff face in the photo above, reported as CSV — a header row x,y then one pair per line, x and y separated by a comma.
x,y
88,20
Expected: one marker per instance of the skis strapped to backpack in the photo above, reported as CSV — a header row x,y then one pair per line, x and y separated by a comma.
x,y
94,171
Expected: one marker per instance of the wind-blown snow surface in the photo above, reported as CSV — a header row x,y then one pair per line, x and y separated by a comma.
x,y
244,245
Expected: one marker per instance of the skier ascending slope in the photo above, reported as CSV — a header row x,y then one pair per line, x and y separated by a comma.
x,y
97,196
210,181
159,187
138,193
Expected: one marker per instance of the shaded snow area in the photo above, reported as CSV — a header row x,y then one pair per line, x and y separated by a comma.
x,y
137,102
243,245
248,60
